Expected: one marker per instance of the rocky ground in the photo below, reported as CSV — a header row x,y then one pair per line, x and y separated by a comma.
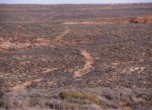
x,y
76,57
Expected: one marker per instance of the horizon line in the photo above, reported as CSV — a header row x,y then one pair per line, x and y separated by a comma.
x,y
73,3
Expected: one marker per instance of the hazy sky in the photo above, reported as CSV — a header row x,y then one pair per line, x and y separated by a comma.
x,y
70,1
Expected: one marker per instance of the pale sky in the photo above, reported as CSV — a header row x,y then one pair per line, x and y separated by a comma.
x,y
72,1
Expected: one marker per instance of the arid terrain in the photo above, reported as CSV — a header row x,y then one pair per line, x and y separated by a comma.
x,y
76,57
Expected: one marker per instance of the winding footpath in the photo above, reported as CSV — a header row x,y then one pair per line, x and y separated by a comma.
x,y
88,65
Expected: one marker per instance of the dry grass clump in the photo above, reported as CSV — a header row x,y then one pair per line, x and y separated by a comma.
x,y
79,95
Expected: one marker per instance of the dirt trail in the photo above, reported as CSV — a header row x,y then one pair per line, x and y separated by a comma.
x,y
7,44
88,65
47,70
59,38
125,20
63,34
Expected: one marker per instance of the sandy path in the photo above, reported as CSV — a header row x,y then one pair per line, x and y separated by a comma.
x,y
63,34
88,65
6,44
58,40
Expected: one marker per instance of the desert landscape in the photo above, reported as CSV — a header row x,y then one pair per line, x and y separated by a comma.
x,y
76,57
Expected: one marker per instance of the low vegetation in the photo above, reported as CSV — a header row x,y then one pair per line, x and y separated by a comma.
x,y
79,95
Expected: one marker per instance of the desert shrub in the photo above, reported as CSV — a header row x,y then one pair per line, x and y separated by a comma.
x,y
79,95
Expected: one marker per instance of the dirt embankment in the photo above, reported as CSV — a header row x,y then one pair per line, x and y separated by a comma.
x,y
127,20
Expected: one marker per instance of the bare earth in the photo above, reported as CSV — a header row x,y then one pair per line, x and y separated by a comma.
x,y
88,65
76,57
